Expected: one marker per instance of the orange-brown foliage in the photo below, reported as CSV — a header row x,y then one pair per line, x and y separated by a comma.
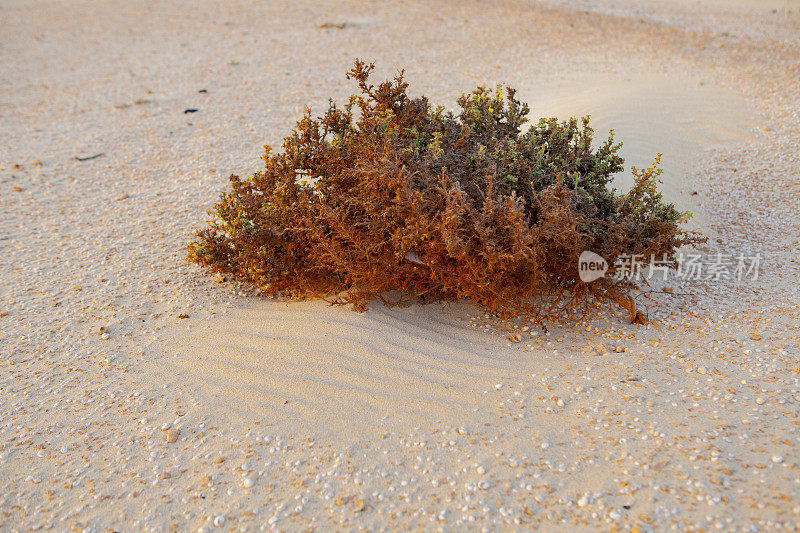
x,y
391,193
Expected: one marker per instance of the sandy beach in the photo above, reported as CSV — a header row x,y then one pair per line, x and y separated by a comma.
x,y
139,394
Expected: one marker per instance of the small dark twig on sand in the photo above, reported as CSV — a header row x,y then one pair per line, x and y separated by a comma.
x,y
95,156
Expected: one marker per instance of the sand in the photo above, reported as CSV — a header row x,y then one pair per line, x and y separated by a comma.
x,y
254,414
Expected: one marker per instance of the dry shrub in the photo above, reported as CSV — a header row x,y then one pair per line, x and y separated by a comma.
x,y
392,193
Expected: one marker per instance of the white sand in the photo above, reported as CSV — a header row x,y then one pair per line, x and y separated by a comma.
x,y
301,415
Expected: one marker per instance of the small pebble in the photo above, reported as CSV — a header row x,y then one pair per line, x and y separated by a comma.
x,y
171,435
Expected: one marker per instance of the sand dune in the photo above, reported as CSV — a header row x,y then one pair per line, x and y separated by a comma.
x,y
255,414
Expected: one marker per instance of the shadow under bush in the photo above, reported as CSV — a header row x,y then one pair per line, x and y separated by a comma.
x,y
392,193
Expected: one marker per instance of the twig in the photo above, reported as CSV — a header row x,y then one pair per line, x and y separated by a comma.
x,y
95,156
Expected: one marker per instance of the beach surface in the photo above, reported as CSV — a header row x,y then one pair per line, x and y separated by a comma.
x,y
137,393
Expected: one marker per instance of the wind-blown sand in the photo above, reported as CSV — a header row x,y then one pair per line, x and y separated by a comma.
x,y
256,414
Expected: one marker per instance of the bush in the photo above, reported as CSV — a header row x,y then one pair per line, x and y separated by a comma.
x,y
393,193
